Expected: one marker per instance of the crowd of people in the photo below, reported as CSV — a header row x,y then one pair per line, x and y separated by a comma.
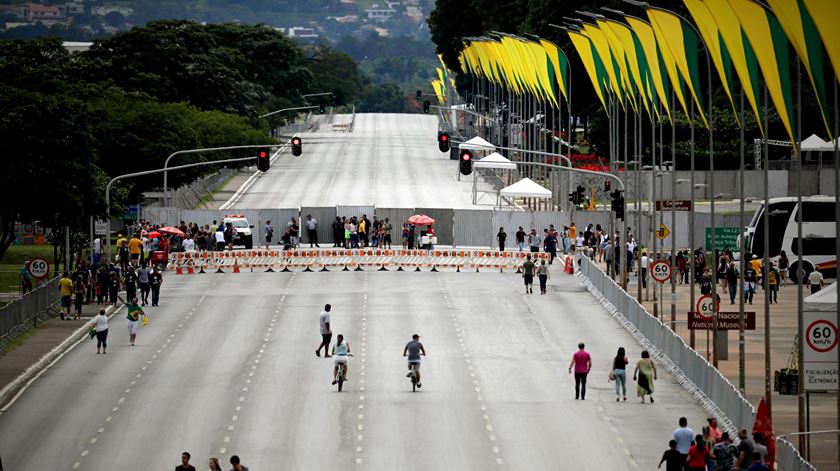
x,y
213,464
713,450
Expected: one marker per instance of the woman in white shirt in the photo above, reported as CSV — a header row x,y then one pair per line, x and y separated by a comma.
x,y
100,324
189,244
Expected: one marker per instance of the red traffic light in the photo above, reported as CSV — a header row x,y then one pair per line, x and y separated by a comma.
x,y
465,156
296,141
263,154
444,137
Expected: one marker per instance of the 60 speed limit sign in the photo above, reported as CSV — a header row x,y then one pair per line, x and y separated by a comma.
x,y
660,271
706,306
39,268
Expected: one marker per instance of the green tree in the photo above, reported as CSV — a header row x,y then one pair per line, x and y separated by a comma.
x,y
383,98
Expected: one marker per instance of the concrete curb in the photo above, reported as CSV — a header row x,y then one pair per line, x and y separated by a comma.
x,y
13,390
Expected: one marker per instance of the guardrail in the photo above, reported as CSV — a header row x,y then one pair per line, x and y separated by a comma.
x,y
716,394
23,314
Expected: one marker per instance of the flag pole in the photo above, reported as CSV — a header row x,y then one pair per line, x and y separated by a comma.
x,y
742,242
768,391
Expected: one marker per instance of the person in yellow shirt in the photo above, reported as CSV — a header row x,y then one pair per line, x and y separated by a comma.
x,y
755,264
65,286
573,232
122,252
135,248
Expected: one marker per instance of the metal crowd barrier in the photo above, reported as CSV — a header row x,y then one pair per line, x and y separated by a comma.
x,y
24,313
710,387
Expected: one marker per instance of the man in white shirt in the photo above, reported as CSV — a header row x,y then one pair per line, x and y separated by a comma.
x,y
220,239
189,244
326,332
816,280
97,251
645,266
311,226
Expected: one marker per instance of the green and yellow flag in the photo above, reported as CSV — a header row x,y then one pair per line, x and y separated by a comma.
x,y
679,39
646,42
636,62
800,29
770,44
591,62
826,17
740,51
602,49
560,65
714,46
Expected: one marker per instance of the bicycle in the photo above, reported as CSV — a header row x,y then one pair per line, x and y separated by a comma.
x,y
342,372
412,375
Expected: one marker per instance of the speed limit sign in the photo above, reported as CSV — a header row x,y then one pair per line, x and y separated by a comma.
x,y
706,306
39,268
660,271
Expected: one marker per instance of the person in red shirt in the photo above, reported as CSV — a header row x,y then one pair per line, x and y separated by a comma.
x,y
697,455
582,363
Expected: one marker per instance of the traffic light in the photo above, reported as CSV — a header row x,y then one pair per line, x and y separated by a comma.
x,y
297,146
322,108
617,204
465,163
579,194
443,141
263,159
607,185
419,95
426,106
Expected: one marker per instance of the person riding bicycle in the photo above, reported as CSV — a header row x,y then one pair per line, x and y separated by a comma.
x,y
413,350
340,351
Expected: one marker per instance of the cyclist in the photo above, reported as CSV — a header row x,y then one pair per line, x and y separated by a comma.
x,y
413,350
340,351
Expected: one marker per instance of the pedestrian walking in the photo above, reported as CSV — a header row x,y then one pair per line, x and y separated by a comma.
x,y
122,251
215,465
784,264
673,459
528,275
79,291
550,244
65,288
732,281
237,465
544,275
582,363
326,332
697,455
520,238
706,281
644,273
312,230
25,278
773,283
219,235
143,282
619,374
185,463
646,373
501,237
134,316
135,249
96,248
130,283
746,448
749,283
608,258
724,453
155,282
816,280
100,325
714,431
386,237
683,436
268,233
534,241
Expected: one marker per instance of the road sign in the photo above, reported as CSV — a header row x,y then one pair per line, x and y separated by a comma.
x,y
660,271
725,238
726,321
663,232
679,205
38,267
705,305
820,362
131,213
100,227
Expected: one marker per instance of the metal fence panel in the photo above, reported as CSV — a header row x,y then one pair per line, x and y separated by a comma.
x,y
325,217
444,222
354,211
511,220
21,314
396,217
474,228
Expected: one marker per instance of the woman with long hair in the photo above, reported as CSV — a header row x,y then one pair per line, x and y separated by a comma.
x,y
646,373
619,372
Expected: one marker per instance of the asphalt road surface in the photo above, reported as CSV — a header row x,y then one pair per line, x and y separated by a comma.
x,y
390,160
227,366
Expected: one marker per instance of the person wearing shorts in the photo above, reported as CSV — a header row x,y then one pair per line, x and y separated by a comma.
x,y
341,353
528,275
65,286
326,332
135,312
413,350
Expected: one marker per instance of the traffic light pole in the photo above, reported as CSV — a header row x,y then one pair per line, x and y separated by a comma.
x,y
144,173
196,151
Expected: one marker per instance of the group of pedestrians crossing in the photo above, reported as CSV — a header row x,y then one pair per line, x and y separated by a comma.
x,y
213,464
714,450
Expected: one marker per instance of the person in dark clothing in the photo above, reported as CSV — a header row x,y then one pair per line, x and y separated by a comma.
x,y
155,281
732,281
501,237
130,282
338,232
113,288
672,458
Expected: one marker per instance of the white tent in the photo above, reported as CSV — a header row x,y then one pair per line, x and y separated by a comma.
x,y
476,143
496,161
814,143
525,188
824,300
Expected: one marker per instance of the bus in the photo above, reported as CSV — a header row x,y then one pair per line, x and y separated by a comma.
x,y
819,233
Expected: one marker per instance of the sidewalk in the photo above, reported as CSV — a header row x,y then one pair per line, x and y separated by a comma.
x,y
783,330
40,342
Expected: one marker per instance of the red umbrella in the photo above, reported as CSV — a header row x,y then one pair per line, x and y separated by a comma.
x,y
172,231
421,220
153,234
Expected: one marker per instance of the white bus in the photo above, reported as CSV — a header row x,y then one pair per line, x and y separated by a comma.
x,y
819,233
